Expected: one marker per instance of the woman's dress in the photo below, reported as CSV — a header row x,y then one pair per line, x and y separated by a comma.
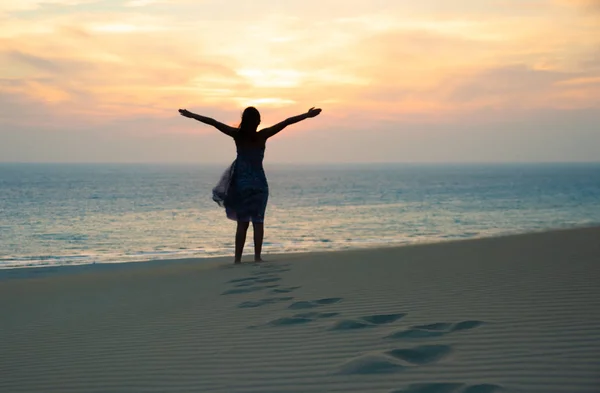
x,y
243,189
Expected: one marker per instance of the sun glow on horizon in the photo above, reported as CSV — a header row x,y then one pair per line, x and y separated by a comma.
x,y
271,77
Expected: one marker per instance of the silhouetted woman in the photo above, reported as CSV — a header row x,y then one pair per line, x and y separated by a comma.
x,y
243,189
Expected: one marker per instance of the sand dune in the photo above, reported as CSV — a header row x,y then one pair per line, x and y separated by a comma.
x,y
511,314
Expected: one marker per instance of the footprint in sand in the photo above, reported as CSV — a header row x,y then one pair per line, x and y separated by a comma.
x,y
252,284
434,330
248,289
242,290
371,364
245,279
251,280
302,318
424,354
369,321
305,304
265,280
271,271
283,290
395,360
244,284
449,388
264,302
265,268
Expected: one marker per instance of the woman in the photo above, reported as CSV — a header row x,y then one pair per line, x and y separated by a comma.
x,y
246,190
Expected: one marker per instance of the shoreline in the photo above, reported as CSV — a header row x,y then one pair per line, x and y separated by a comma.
x,y
212,261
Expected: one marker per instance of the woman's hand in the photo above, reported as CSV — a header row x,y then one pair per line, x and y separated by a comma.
x,y
312,112
186,113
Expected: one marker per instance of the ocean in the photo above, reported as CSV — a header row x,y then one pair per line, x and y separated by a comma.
x,y
68,214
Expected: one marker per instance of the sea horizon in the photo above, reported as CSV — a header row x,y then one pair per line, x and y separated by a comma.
x,y
55,214
311,164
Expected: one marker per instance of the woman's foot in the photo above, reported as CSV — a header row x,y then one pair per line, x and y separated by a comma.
x,y
236,261
258,259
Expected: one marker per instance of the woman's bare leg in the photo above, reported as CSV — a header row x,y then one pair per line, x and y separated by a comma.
x,y
259,233
240,240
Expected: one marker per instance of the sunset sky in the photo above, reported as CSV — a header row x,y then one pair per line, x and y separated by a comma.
x,y
398,81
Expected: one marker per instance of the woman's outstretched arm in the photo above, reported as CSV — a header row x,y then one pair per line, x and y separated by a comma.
x,y
270,131
224,128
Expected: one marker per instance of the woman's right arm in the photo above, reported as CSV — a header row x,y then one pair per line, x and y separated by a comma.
x,y
224,128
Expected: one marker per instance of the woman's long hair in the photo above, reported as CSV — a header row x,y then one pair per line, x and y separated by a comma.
x,y
249,123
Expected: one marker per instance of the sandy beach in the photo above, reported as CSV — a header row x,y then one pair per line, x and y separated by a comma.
x,y
510,314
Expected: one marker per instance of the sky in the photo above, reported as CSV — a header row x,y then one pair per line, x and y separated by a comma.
x,y
398,81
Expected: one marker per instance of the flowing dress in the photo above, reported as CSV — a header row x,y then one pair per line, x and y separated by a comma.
x,y
243,189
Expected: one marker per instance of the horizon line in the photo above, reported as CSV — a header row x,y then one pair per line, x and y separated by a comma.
x,y
296,163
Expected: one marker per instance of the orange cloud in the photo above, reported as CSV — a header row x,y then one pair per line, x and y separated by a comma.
x,y
591,4
422,60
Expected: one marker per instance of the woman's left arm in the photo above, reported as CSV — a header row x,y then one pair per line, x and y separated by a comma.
x,y
270,131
